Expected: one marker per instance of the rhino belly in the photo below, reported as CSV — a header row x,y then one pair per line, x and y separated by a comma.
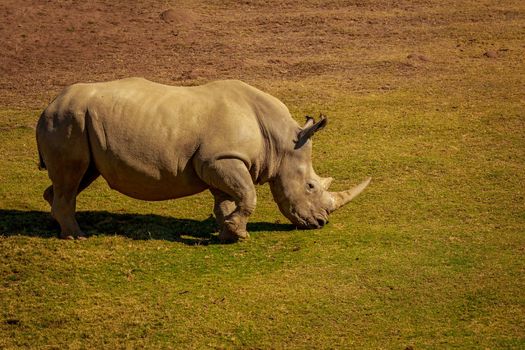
x,y
147,167
148,181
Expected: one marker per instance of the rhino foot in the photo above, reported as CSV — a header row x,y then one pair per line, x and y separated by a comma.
x,y
232,232
226,236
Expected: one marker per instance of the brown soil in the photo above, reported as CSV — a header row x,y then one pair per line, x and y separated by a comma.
x,y
47,45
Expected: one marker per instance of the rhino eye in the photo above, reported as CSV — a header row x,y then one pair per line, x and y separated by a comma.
x,y
310,186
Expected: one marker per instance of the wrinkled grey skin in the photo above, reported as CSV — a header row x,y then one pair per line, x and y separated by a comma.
x,y
156,142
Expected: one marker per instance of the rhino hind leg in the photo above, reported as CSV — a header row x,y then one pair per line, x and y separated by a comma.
x,y
69,173
91,175
64,192
63,205
231,182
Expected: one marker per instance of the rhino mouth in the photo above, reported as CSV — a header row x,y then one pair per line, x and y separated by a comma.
x,y
309,223
318,223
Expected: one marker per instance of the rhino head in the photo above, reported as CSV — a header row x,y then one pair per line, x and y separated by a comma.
x,y
301,194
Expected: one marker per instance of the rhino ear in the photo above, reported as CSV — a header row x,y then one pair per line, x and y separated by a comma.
x,y
309,129
309,122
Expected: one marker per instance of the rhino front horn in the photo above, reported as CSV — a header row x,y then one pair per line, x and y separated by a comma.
x,y
343,197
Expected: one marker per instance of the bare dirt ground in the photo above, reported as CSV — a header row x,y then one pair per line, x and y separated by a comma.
x,y
47,45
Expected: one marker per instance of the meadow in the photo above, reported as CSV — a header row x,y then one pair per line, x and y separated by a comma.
x,y
426,98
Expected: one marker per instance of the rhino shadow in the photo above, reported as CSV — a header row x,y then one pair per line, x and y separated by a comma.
x,y
135,226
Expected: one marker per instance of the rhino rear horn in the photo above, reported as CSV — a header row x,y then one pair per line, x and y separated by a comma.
x,y
326,182
309,129
343,197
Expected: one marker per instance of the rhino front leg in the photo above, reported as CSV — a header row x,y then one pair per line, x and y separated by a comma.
x,y
231,177
224,206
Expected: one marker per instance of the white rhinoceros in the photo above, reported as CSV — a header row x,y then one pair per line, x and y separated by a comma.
x,y
155,142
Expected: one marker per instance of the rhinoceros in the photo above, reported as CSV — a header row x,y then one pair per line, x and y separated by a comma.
x,y
156,142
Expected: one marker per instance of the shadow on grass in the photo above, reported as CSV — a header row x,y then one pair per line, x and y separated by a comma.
x,y
134,226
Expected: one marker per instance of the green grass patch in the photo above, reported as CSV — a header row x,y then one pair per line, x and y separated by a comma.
x,y
430,256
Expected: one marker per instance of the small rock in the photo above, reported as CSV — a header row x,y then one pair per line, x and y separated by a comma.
x,y
491,54
169,15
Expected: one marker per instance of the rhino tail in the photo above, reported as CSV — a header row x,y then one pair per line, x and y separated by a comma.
x,y
41,164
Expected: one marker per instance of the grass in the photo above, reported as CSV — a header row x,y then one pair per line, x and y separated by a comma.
x,y
430,256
